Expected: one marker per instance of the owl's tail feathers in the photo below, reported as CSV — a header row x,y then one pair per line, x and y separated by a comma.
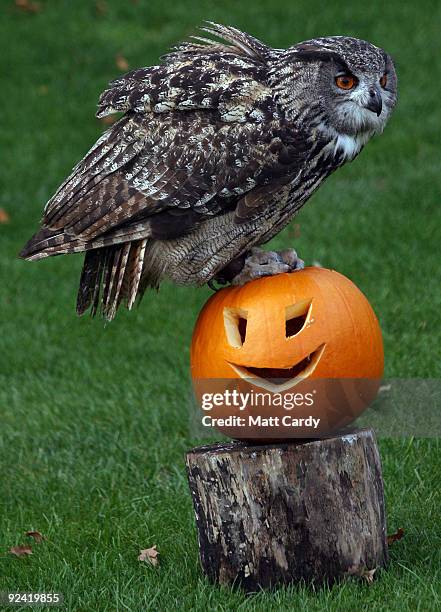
x,y
110,276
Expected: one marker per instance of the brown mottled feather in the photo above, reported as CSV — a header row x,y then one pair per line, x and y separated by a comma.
x,y
90,279
122,268
136,273
111,298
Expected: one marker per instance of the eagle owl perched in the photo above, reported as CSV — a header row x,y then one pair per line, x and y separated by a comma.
x,y
218,148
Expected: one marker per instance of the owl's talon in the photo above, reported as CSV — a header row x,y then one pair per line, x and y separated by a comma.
x,y
267,263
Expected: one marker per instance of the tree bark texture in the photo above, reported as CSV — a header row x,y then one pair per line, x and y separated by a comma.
x,y
279,513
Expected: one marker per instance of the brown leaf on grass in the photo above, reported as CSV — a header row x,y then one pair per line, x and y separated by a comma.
x,y
150,555
43,90
108,120
28,6
294,230
4,217
395,536
100,8
21,551
362,572
121,62
38,537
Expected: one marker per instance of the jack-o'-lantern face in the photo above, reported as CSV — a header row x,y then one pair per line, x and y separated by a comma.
x,y
295,318
281,329
277,333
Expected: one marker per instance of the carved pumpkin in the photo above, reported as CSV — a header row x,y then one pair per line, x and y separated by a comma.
x,y
311,331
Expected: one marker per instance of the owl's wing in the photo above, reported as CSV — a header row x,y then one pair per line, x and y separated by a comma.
x,y
199,135
199,76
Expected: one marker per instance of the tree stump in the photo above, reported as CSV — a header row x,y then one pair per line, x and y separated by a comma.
x,y
280,513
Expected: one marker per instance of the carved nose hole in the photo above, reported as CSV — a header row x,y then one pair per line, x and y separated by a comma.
x,y
296,317
242,329
235,323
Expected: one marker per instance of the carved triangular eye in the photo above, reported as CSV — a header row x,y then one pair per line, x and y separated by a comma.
x,y
296,317
235,321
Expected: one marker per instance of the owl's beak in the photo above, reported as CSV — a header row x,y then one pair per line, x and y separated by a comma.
x,y
375,102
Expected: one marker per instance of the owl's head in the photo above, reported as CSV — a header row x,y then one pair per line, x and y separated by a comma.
x,y
349,84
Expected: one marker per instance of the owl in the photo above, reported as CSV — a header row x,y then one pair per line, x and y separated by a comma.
x,y
218,148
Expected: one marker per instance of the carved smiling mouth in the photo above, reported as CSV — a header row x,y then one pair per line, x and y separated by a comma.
x,y
280,379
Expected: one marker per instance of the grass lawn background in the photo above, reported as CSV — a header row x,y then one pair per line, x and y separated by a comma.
x,y
94,419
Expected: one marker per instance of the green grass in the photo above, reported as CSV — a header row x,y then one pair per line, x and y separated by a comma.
x,y
94,420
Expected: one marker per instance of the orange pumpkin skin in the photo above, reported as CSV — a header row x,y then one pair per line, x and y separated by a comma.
x,y
340,330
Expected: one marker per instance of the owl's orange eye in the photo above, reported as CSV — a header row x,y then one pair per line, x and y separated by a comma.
x,y
383,80
346,81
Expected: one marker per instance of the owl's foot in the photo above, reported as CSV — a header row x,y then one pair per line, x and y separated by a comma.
x,y
260,263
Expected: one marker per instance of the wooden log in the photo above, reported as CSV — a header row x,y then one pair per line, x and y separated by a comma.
x,y
284,512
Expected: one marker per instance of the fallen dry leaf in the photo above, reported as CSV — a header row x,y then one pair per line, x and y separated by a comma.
x,y
100,7
38,537
4,217
108,119
294,230
362,572
121,62
28,6
150,555
395,536
20,551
